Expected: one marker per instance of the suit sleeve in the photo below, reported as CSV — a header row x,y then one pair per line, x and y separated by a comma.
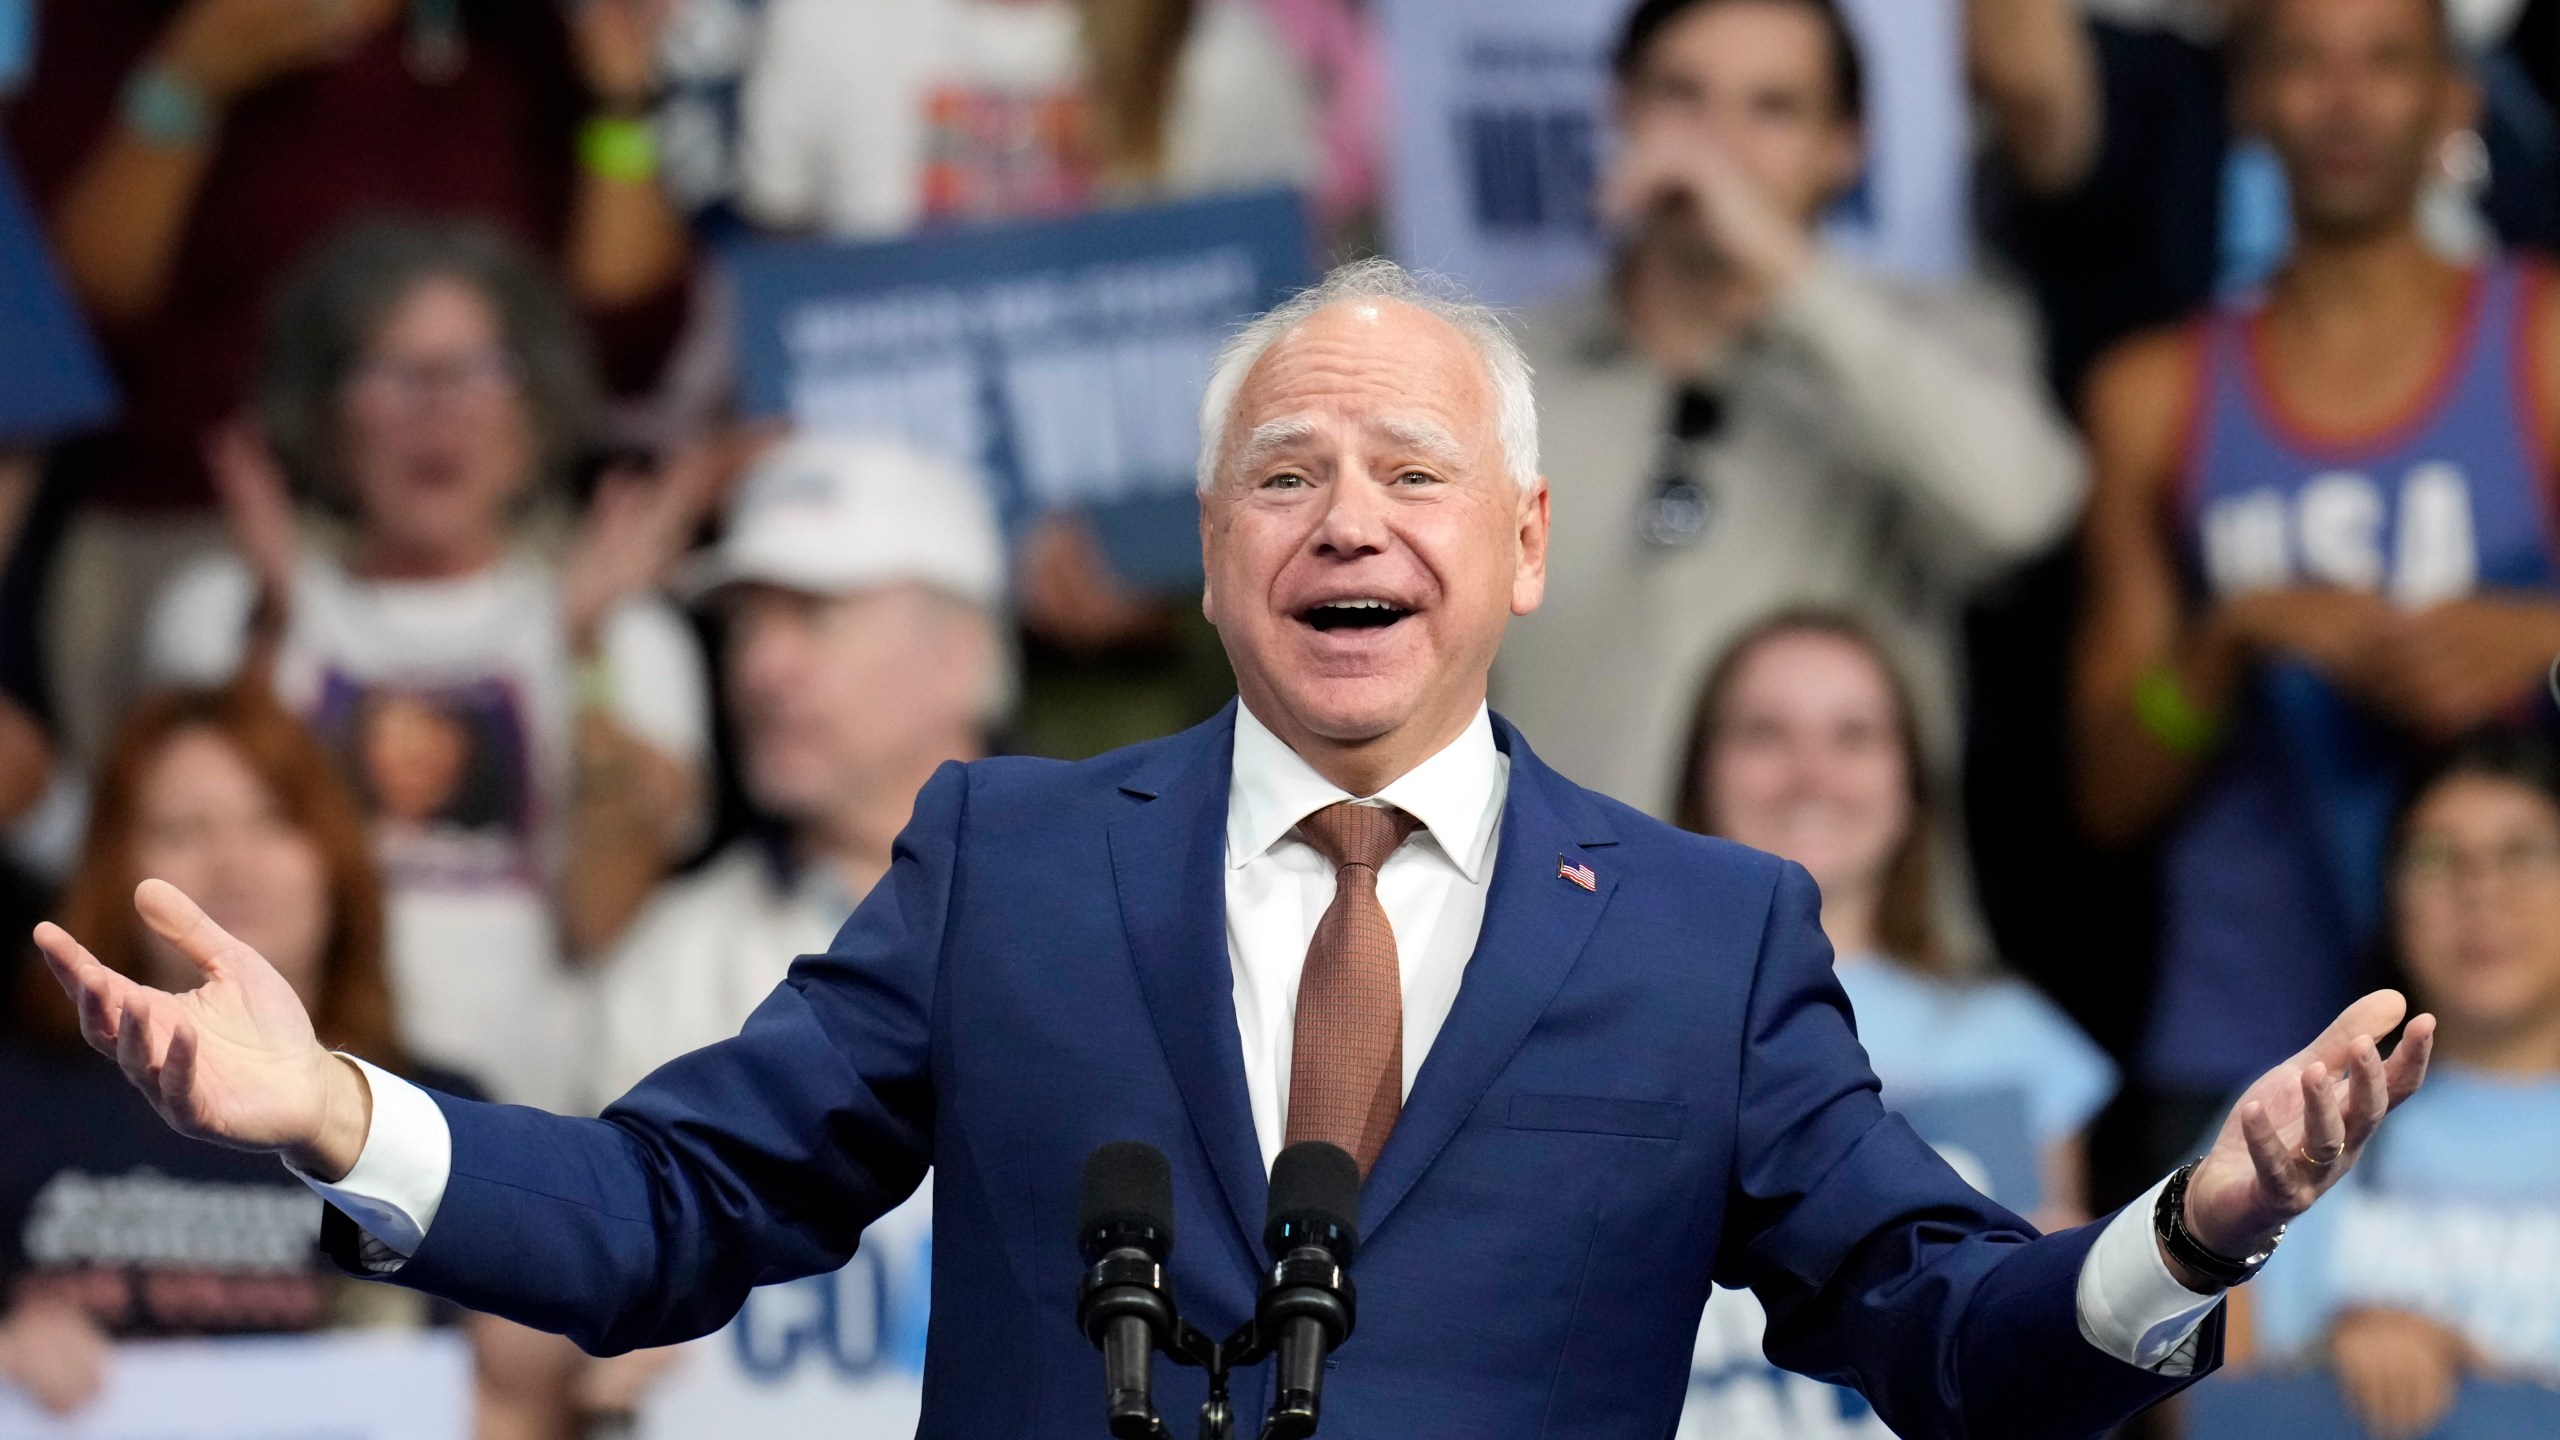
x,y
755,1160
1879,1268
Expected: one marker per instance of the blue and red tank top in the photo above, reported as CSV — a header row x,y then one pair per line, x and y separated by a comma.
x,y
2272,879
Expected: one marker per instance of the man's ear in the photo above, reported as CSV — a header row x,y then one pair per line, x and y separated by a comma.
x,y
1529,571
1208,567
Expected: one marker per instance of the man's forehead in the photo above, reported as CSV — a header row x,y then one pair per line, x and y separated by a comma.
x,y
1362,355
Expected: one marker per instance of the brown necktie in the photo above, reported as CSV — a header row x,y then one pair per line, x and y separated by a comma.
x,y
1346,1067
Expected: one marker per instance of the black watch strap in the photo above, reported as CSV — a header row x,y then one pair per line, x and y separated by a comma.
x,y
2169,1221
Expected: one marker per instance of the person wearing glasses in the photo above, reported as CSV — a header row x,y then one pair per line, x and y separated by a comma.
x,y
2441,1259
524,727
1739,423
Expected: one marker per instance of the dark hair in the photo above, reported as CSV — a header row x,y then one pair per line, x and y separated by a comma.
x,y
353,1009
2525,757
1848,66
1907,915
2249,29
329,309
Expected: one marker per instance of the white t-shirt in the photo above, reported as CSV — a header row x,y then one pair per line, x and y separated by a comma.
x,y
452,705
976,109
702,956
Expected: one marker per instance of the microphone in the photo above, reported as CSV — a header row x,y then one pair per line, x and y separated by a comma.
x,y
1124,1229
1307,1307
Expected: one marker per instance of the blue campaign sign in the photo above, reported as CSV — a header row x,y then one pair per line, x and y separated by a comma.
x,y
1064,359
52,381
2309,1407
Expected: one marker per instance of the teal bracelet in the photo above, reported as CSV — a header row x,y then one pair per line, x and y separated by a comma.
x,y
165,109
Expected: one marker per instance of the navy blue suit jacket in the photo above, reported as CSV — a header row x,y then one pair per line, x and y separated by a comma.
x,y
1640,1090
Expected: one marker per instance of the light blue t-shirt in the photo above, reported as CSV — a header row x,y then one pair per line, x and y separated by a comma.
x,y
1928,1036
2453,1213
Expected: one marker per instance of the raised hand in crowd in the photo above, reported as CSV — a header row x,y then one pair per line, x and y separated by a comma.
x,y
2302,1126
630,803
1689,179
637,524
626,243
2401,1372
52,1350
119,225
617,48
226,48
257,509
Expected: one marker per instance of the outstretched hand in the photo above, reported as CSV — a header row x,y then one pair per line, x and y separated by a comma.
x,y
2302,1126
234,1060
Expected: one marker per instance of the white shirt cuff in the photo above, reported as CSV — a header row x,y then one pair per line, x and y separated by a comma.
x,y
399,1178
2131,1307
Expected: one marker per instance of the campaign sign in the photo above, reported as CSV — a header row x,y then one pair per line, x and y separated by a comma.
x,y
1063,359
2309,1407
1502,125
840,1355
52,382
1736,1394
355,1385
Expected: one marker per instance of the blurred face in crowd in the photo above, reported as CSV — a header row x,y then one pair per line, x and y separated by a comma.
x,y
2478,902
1753,79
206,823
434,435
1365,546
2357,97
835,696
1807,761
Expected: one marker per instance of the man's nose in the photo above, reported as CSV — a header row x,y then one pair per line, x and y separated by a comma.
x,y
1355,516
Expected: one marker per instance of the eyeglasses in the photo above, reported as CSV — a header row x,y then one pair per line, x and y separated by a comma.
x,y
1680,506
486,375
2436,862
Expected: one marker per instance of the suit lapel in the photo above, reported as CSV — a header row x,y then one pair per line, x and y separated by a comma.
x,y
1536,923
1168,859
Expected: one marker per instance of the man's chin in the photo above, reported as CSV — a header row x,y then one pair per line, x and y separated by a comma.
x,y
1346,712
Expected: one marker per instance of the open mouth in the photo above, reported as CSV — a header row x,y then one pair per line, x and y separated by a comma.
x,y
1353,615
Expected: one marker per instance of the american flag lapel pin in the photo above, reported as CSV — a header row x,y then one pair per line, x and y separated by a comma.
x,y
1582,875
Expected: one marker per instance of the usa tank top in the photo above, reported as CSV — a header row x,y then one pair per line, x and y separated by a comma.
x,y
2272,878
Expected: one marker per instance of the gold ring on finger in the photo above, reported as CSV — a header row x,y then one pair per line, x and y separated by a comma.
x,y
2327,1157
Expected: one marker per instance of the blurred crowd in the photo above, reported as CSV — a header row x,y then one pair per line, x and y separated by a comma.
x,y
2141,638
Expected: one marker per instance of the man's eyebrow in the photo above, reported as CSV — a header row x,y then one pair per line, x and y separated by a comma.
x,y
1427,438
1275,435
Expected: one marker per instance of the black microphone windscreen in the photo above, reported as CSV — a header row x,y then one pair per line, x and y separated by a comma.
x,y
1313,1181
1127,1183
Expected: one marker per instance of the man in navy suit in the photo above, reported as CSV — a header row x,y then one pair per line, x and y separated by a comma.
x,y
1589,1064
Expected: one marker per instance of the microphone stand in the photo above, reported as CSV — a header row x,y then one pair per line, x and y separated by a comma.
x,y
1248,1346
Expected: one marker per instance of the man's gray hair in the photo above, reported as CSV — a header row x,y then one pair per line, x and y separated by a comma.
x,y
1515,403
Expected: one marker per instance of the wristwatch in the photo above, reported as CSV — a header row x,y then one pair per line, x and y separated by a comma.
x,y
2169,1221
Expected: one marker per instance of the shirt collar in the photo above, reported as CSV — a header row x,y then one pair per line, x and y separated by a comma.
x,y
1457,793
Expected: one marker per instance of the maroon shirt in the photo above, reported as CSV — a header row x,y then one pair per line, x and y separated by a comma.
x,y
297,159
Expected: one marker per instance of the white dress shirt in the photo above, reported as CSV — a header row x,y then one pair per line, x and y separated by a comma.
x,y
1433,889
1278,887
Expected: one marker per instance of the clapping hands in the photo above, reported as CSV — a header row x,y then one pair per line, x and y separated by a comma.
x,y
2438,671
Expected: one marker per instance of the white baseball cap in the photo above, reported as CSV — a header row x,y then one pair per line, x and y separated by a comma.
x,y
828,515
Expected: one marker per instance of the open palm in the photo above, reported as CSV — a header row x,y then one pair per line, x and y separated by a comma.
x,y
233,1061
2300,1128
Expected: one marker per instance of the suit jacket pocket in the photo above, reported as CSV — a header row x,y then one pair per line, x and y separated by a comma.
x,y
1598,1115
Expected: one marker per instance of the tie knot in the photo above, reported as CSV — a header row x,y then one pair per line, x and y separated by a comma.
x,y
1350,834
